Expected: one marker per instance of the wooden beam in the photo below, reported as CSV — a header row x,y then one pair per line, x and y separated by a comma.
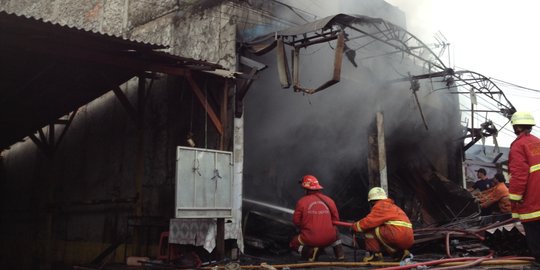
x,y
132,112
67,125
223,114
52,141
383,172
243,88
42,135
40,144
202,99
377,171
141,100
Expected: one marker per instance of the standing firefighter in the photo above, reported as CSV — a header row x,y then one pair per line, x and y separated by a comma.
x,y
314,216
524,166
386,226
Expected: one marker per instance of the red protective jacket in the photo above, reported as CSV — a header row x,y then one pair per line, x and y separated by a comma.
x,y
524,166
314,218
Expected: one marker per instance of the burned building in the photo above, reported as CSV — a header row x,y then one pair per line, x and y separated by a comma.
x,y
98,95
329,132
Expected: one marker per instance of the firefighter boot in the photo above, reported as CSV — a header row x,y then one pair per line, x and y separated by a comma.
x,y
338,252
373,257
403,255
310,253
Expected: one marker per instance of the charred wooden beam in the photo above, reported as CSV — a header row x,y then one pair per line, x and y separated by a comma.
x,y
242,89
49,144
130,109
202,99
283,65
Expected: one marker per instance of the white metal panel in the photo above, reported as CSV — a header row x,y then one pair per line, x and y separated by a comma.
x,y
204,181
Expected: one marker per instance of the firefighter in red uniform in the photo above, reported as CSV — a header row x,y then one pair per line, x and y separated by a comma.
x,y
313,215
524,167
386,226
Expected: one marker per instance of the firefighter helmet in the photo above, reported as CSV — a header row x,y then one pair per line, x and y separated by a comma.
x,y
310,182
523,118
376,193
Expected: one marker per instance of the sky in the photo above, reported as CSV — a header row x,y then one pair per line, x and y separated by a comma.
x,y
498,39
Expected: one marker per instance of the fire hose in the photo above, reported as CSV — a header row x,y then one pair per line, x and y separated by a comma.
x,y
342,223
456,262
449,263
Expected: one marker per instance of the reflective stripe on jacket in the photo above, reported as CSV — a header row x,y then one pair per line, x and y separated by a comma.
x,y
524,167
383,212
390,224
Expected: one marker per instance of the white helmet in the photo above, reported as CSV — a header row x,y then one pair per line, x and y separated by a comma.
x,y
523,118
376,193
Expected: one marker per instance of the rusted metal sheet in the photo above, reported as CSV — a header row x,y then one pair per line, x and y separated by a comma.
x,y
336,74
283,65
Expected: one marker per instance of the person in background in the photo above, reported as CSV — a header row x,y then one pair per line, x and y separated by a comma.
x,y
483,182
386,226
496,198
314,216
524,167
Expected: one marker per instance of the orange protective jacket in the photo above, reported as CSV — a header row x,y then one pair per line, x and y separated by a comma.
x,y
497,194
524,167
394,225
314,214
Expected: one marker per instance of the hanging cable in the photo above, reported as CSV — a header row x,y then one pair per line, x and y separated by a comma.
x,y
205,115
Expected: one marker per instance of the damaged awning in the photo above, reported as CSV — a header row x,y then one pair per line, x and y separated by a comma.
x,y
350,35
263,44
48,70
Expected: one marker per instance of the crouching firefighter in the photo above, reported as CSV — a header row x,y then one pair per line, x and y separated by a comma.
x,y
385,227
313,215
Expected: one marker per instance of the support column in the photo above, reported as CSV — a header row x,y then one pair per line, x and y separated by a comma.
x,y
220,230
139,162
378,175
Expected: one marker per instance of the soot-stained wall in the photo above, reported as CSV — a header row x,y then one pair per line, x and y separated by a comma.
x,y
71,207
87,189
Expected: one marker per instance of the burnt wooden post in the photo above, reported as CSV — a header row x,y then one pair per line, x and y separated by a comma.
x,y
377,154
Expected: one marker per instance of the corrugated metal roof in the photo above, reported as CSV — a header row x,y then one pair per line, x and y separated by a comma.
x,y
48,70
43,23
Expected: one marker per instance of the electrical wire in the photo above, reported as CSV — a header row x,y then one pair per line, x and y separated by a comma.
x,y
515,85
293,10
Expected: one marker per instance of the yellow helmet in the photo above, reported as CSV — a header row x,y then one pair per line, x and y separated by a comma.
x,y
523,118
376,193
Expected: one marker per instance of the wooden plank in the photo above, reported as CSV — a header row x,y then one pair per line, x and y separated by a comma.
x,y
132,112
382,152
202,99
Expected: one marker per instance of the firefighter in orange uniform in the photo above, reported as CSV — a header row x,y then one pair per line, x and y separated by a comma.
x,y
496,198
386,226
524,167
314,215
